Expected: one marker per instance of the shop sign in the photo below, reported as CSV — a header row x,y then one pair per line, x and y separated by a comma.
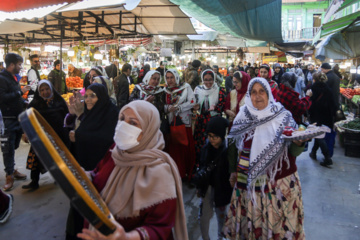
x,y
269,59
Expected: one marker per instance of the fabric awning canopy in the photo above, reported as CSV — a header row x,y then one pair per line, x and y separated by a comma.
x,y
19,5
338,24
295,47
148,18
11,27
204,36
347,3
257,20
341,45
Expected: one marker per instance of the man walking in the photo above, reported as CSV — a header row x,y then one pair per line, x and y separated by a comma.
x,y
192,76
334,84
33,74
121,86
11,105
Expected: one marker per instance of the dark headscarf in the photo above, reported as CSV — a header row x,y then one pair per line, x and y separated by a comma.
x,y
95,133
53,110
289,79
277,76
86,81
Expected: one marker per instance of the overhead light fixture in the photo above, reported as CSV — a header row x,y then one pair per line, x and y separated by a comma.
x,y
141,49
343,66
353,69
98,55
71,52
204,45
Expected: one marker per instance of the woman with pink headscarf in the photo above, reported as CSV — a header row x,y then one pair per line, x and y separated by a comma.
x,y
138,181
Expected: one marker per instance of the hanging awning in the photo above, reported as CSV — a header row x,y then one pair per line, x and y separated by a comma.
x,y
20,5
31,13
11,27
347,3
204,36
341,45
339,24
256,20
148,18
294,47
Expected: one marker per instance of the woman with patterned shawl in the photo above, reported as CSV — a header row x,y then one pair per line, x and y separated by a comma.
x,y
149,90
266,201
179,101
210,103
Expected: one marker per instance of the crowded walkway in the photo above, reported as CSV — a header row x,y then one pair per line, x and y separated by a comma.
x,y
331,202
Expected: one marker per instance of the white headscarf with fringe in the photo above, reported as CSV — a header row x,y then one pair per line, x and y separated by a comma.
x,y
182,87
264,127
145,88
212,93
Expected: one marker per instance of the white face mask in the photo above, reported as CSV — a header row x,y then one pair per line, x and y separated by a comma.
x,y
126,135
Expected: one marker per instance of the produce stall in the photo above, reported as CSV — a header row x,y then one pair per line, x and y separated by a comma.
x,y
350,99
349,135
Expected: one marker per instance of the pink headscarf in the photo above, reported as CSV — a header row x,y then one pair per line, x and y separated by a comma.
x,y
145,175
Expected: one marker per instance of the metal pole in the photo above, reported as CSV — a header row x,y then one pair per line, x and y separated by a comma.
x,y
61,45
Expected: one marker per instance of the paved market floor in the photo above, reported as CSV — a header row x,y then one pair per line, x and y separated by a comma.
x,y
331,201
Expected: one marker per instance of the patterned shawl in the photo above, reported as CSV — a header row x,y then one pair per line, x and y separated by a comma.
x,y
145,88
264,127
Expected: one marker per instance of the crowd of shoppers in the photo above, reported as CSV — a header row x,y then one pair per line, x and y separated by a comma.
x,y
137,159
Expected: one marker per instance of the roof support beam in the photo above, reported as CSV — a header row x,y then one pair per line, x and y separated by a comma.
x,y
101,21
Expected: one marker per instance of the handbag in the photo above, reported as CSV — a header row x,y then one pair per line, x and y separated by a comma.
x,y
178,132
165,126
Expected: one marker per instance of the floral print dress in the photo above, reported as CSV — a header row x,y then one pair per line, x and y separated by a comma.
x,y
277,214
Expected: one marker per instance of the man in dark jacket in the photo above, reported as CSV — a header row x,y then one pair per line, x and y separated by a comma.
x,y
333,82
121,86
57,78
11,105
192,77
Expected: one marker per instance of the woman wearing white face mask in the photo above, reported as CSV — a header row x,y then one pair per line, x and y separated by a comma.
x,y
138,181
210,103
